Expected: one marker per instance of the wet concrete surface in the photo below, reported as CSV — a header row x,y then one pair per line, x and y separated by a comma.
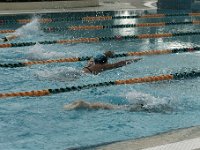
x,y
157,140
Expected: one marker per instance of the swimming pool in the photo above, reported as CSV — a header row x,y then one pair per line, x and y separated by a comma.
x,y
42,123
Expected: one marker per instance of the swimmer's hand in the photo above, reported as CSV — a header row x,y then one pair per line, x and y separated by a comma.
x,y
109,54
122,63
133,60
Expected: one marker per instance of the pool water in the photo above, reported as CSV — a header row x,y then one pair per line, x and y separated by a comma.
x,y
42,123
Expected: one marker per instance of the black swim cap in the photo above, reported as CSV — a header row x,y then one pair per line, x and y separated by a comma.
x,y
100,59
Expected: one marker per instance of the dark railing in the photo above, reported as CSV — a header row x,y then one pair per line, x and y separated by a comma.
x,y
31,0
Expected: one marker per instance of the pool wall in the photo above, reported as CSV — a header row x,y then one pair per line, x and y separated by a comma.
x,y
196,5
179,4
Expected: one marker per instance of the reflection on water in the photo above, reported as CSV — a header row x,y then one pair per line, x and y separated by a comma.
x,y
125,31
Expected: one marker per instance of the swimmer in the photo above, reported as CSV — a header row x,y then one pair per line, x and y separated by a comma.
x,y
29,28
80,104
96,106
100,63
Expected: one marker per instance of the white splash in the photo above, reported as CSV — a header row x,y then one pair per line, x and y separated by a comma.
x,y
37,52
59,74
28,29
149,102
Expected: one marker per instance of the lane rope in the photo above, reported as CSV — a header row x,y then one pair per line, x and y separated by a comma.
x,y
101,18
76,59
157,24
96,18
175,76
100,39
101,27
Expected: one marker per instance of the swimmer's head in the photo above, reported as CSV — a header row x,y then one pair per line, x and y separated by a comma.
x,y
100,59
109,54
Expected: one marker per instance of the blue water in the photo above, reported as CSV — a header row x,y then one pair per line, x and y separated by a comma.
x,y
42,123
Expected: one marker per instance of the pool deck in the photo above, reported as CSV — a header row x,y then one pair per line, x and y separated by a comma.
x,y
181,139
104,5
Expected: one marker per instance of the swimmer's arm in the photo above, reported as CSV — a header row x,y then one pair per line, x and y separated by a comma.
x,y
86,70
11,37
102,106
89,106
122,63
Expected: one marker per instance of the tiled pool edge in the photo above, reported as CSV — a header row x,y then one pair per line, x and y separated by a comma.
x,y
156,140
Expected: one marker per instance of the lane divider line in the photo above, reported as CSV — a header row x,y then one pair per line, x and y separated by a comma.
x,y
156,24
76,59
147,79
100,39
96,18
101,27
101,18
